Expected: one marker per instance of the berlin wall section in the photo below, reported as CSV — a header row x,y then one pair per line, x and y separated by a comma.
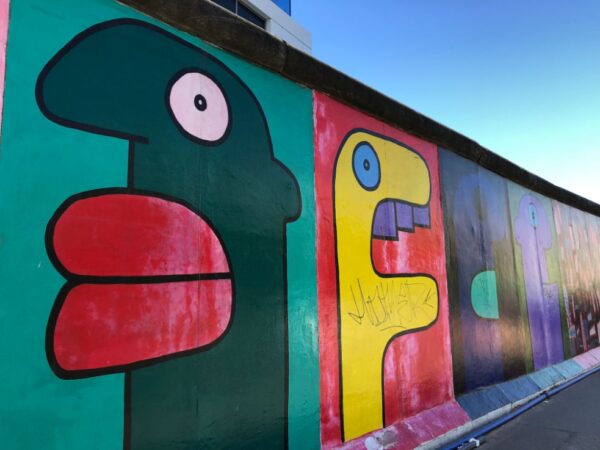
x,y
203,247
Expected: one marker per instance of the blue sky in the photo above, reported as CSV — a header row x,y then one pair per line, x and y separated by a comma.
x,y
522,78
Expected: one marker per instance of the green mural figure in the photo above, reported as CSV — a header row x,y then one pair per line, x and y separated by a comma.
x,y
177,280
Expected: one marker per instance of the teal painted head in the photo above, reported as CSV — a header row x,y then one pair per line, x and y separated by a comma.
x,y
190,118
197,135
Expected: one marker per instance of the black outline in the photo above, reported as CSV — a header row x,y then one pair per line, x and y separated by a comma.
x,y
39,89
130,165
351,133
376,185
131,137
74,280
122,368
200,102
83,278
127,412
427,227
130,189
187,134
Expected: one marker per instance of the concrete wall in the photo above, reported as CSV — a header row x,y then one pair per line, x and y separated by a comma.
x,y
198,252
282,25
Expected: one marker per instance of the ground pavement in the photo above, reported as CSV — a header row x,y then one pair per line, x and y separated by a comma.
x,y
568,421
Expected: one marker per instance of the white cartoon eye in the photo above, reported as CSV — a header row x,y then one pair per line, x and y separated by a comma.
x,y
199,106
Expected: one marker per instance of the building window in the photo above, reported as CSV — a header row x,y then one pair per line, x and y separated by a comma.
x,y
243,11
286,5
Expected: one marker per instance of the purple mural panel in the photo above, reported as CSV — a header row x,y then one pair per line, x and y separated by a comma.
x,y
534,235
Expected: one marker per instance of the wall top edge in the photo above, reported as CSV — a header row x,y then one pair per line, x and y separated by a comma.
x,y
219,27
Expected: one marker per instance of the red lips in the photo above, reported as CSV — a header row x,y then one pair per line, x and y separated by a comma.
x,y
147,278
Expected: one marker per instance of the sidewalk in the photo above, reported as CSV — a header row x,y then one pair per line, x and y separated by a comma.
x,y
568,421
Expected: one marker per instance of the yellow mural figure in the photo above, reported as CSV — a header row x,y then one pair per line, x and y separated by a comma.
x,y
380,187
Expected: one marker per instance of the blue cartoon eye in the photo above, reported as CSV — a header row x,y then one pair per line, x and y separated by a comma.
x,y
366,166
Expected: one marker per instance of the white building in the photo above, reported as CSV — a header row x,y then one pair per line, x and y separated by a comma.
x,y
274,16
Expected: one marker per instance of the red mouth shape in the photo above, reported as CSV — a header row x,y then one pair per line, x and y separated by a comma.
x,y
147,277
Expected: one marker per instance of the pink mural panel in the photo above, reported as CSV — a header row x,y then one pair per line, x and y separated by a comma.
x,y
4,9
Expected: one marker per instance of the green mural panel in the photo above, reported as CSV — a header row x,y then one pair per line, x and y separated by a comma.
x,y
42,164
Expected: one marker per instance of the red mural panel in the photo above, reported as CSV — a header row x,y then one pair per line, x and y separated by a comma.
x,y
416,372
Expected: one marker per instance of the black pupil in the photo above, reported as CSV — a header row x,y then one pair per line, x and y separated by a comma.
x,y
366,164
200,102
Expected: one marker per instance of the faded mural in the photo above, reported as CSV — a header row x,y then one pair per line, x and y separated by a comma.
x,y
506,301
199,253
579,252
536,261
489,326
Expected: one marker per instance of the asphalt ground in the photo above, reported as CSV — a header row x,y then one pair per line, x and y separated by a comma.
x,y
570,420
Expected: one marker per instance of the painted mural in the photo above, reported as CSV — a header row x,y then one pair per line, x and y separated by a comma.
x,y
489,325
578,237
161,270
537,264
165,218
382,307
199,253
504,277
